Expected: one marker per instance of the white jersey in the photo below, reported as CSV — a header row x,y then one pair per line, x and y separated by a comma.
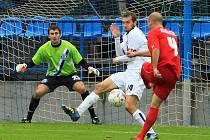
x,y
135,40
130,81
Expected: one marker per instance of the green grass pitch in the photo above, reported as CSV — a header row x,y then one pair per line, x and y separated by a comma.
x,y
74,131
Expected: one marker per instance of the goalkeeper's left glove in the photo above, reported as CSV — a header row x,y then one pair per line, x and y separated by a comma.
x,y
93,70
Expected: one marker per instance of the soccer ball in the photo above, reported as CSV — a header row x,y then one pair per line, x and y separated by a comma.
x,y
116,98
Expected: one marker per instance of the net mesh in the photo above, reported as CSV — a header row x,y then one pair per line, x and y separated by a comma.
x,y
46,8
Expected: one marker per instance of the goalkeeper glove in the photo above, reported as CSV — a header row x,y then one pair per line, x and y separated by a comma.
x,y
21,67
93,70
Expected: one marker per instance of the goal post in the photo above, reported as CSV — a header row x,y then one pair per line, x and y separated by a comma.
x,y
187,63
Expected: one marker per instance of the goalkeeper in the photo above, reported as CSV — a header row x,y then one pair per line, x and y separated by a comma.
x,y
61,56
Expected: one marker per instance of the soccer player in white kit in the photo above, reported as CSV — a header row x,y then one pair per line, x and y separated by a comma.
x,y
130,80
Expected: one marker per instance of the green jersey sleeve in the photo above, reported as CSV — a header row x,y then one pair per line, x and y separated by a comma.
x,y
38,58
76,55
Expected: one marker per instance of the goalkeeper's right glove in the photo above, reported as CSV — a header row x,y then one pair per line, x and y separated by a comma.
x,y
21,67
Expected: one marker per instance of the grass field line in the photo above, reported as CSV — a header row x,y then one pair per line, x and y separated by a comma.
x,y
118,132
179,134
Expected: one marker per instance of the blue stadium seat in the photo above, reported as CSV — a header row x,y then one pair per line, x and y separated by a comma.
x,y
68,28
196,32
107,34
201,30
175,27
91,30
144,26
37,27
10,27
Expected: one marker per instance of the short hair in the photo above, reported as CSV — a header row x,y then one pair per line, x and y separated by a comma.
x,y
129,13
54,28
156,17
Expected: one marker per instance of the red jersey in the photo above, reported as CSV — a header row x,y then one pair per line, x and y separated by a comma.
x,y
167,42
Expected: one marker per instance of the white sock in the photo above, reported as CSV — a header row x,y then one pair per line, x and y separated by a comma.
x,y
139,116
89,100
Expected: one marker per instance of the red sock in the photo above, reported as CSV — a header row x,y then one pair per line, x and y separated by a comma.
x,y
150,120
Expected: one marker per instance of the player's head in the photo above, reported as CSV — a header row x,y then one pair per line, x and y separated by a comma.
x,y
129,20
155,19
54,34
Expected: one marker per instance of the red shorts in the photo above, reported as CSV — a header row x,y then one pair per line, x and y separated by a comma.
x,y
162,87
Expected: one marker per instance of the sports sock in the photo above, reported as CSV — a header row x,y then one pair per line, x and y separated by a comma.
x,y
89,100
90,109
150,120
139,116
32,107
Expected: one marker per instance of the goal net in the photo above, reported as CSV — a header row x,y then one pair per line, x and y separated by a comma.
x,y
23,30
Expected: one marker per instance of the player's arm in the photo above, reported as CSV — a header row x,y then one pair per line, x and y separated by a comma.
x,y
123,58
118,47
155,58
23,67
87,66
144,53
155,53
116,34
36,60
131,57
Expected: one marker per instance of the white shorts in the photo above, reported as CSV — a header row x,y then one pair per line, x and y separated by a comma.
x,y
131,83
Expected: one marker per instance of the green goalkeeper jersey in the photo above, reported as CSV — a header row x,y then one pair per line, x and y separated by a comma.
x,y
60,59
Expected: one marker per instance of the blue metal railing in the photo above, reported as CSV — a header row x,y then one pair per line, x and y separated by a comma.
x,y
187,21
